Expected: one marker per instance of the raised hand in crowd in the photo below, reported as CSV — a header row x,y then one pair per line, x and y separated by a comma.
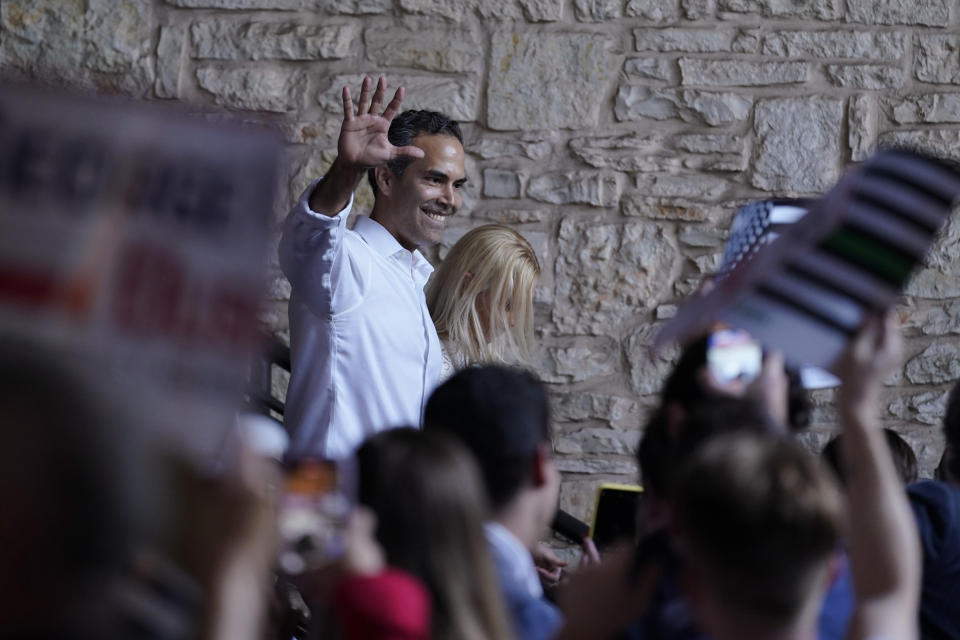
x,y
363,144
884,547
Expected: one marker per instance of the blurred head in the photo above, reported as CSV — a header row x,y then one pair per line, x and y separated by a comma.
x,y
430,505
416,196
904,459
481,296
63,534
502,415
758,520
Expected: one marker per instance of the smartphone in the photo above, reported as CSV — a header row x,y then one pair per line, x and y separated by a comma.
x,y
733,356
314,510
615,514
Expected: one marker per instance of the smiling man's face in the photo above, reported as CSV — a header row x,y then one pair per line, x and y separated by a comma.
x,y
419,202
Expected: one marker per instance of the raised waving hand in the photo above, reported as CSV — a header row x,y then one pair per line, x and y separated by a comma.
x,y
363,144
363,135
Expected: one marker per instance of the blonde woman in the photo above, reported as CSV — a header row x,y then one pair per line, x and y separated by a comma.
x,y
481,298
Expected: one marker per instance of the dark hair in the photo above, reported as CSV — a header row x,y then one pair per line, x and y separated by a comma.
x,y
427,495
502,415
407,126
951,428
904,459
760,517
683,385
665,447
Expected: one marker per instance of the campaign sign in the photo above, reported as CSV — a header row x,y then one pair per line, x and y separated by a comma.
x,y
132,245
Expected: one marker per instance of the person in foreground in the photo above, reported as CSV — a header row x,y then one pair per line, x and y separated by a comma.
x,y
936,508
364,351
481,299
503,417
429,502
758,521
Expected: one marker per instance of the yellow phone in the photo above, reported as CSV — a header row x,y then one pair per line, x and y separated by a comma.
x,y
615,514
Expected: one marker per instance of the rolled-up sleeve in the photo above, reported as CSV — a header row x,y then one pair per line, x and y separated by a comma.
x,y
311,253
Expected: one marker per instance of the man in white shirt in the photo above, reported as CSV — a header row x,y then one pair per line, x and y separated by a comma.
x,y
364,351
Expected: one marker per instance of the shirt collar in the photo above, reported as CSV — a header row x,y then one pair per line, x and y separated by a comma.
x,y
383,242
520,561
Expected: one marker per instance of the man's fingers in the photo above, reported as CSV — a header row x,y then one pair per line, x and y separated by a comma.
x,y
363,106
347,105
394,105
378,95
409,150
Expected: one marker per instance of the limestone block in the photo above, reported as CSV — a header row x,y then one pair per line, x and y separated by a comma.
x,y
350,7
702,236
595,188
680,209
607,273
862,126
451,95
225,39
939,142
625,466
96,45
865,76
709,143
710,263
510,216
594,441
926,408
630,152
937,58
169,57
697,40
254,89
697,9
934,284
808,9
430,49
454,10
323,133
937,364
501,184
529,10
597,10
845,43
691,185
690,105
648,369
940,320
798,140
578,407
548,80
666,311
926,108
534,148
584,363
933,13
739,73
647,68
658,11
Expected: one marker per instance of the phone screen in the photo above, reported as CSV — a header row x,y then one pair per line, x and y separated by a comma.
x,y
732,354
615,518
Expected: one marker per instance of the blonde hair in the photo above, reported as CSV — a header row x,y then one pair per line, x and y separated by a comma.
x,y
486,280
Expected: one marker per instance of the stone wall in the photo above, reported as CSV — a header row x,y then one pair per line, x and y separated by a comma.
x,y
617,135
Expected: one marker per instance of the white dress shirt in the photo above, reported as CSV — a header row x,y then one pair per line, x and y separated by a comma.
x,y
364,352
